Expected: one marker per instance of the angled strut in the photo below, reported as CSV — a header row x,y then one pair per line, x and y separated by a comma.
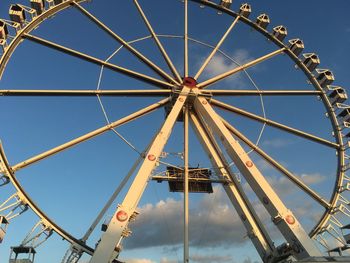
x,y
126,211
283,218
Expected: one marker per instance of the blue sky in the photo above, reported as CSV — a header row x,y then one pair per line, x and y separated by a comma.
x,y
72,186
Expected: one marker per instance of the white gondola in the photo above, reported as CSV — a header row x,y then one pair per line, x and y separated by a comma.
x,y
280,32
346,235
296,46
245,10
263,21
311,61
325,77
345,115
337,95
17,14
3,227
22,254
38,6
226,3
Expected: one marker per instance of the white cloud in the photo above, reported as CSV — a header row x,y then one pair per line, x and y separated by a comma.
x,y
284,186
314,178
220,64
212,223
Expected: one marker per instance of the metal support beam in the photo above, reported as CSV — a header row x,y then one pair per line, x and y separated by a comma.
x,y
186,38
283,218
126,210
240,68
186,189
133,50
255,229
238,92
279,167
218,45
111,199
97,61
275,124
159,44
83,93
89,135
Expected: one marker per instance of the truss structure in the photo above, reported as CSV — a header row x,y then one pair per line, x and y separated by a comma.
x,y
189,100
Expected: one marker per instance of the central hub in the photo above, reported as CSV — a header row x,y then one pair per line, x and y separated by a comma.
x,y
189,82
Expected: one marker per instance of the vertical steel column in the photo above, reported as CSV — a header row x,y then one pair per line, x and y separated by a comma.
x,y
186,39
120,220
290,228
186,187
255,229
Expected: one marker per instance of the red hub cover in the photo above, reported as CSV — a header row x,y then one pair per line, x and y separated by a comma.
x,y
189,82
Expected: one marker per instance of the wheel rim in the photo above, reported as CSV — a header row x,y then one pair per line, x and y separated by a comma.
x,y
330,109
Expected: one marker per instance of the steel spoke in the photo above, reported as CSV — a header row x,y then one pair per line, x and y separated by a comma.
x,y
217,47
240,68
97,61
278,166
134,51
274,124
124,93
90,135
159,44
262,92
186,38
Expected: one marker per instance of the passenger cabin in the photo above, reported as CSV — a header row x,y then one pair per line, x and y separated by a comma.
x,y
280,32
17,14
339,250
296,46
226,3
198,181
337,95
22,254
311,61
38,6
3,30
325,77
345,115
245,10
3,227
346,235
263,21
4,180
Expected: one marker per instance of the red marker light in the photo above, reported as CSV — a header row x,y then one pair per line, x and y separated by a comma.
x,y
290,219
249,164
122,216
151,157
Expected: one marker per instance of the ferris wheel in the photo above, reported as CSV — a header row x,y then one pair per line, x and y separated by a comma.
x,y
193,113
